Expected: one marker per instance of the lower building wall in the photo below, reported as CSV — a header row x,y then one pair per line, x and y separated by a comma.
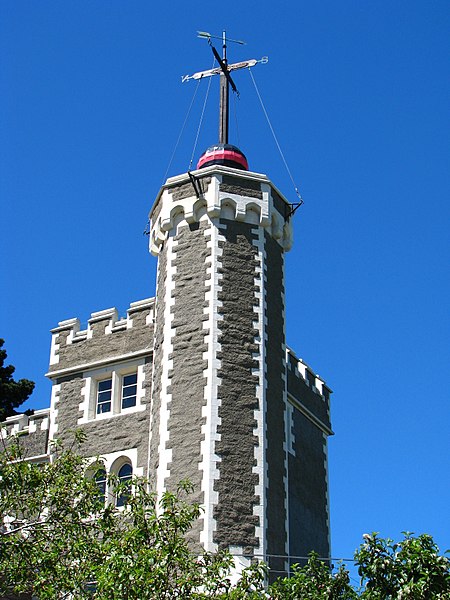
x,y
308,493
276,512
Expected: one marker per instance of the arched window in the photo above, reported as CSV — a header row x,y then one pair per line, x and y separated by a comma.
x,y
101,479
96,473
124,476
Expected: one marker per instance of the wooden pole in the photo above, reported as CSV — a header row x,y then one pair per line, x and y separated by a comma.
x,y
224,98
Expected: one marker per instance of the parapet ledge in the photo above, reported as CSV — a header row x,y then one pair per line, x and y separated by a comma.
x,y
25,424
69,332
260,204
302,370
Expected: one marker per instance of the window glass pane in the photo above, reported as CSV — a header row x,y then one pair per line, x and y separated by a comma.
x,y
104,407
129,390
104,391
130,379
100,480
125,474
105,385
126,471
129,402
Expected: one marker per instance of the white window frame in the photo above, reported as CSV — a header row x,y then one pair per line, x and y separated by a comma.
x,y
97,397
112,463
88,404
122,388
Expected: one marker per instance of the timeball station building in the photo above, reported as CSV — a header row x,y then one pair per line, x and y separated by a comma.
x,y
197,383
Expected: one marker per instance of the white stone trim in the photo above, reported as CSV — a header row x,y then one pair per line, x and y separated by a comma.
x,y
54,348
327,489
248,209
266,444
109,460
112,461
72,326
260,468
210,460
164,453
96,364
54,399
300,369
286,422
290,432
241,562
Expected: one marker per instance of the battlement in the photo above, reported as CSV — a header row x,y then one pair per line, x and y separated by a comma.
x,y
22,423
308,388
303,370
220,192
106,336
32,431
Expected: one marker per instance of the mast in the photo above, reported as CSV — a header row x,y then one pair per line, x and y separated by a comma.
x,y
224,97
226,80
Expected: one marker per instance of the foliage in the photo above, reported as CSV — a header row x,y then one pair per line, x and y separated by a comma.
x,y
50,543
314,581
12,393
59,540
408,570
58,537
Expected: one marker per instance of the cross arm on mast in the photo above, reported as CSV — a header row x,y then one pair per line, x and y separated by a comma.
x,y
233,67
226,80
223,66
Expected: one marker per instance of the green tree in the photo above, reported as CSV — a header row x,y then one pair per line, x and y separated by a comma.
x,y
58,538
314,581
411,569
12,393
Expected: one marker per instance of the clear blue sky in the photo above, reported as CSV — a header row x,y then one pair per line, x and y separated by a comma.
x,y
91,107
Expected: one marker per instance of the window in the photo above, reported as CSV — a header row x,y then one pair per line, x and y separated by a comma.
x,y
129,389
104,392
114,390
124,475
100,480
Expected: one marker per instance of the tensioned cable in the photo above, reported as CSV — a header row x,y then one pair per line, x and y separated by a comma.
x,y
201,117
275,137
181,132
290,557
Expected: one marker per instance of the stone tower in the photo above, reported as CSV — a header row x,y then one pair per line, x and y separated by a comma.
x,y
197,383
220,410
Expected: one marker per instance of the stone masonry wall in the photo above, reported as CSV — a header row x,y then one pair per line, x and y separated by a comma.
x,y
304,390
187,381
244,187
31,432
234,513
308,506
84,349
275,402
120,432
157,366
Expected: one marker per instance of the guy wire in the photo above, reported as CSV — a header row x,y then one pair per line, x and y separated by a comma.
x,y
181,132
275,137
201,118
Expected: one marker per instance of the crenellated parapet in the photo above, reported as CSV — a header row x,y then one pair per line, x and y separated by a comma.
x,y
31,431
309,390
107,336
220,192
